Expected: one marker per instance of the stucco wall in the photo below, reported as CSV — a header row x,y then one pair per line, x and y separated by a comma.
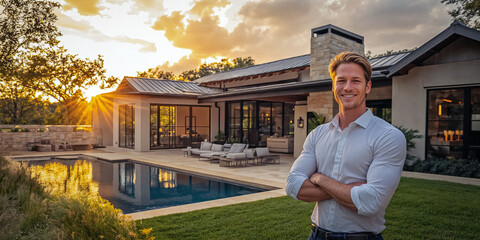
x,y
409,93
142,117
102,118
300,133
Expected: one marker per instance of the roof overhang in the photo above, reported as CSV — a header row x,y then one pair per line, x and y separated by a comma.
x,y
432,47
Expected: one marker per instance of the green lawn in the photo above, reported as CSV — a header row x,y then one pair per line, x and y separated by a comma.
x,y
420,209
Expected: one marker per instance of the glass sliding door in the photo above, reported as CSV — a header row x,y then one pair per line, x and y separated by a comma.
x,y
253,122
289,119
264,122
178,126
126,125
453,123
249,120
200,125
474,138
234,119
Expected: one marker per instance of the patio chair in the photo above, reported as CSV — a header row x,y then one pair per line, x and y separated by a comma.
x,y
216,150
204,147
264,156
235,152
247,157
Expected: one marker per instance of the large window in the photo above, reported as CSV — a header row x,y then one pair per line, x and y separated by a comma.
x,y
453,129
381,109
127,125
178,126
253,122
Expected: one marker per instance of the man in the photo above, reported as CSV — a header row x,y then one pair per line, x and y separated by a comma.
x,y
351,166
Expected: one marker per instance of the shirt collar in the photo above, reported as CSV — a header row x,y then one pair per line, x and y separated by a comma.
x,y
362,121
365,119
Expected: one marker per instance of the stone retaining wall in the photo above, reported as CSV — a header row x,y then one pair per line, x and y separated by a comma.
x,y
56,134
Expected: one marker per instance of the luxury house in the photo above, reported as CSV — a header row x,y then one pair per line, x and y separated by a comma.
x,y
434,89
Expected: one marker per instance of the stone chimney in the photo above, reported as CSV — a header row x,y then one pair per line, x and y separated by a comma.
x,y
328,41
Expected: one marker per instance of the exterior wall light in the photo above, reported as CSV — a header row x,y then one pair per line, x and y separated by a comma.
x,y
300,123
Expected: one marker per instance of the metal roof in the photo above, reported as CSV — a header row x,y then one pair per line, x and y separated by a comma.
x,y
270,67
166,87
453,32
387,61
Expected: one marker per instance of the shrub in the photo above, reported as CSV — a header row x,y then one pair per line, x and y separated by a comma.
x,y
28,211
452,167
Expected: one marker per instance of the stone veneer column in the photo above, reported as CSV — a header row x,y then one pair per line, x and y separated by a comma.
x,y
322,103
326,43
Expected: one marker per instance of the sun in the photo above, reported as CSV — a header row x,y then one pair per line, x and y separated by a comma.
x,y
94,91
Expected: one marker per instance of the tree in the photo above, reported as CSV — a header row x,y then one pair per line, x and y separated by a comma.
x,y
370,55
156,73
24,24
63,76
225,64
467,11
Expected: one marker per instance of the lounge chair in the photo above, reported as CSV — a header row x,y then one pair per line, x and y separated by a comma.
x,y
235,151
264,156
247,157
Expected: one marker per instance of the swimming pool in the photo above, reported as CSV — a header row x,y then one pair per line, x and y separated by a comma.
x,y
134,187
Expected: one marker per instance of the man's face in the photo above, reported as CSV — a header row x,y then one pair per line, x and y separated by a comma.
x,y
350,87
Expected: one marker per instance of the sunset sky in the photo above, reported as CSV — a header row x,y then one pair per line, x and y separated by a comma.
x,y
134,35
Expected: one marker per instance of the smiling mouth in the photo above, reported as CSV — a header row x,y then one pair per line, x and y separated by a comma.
x,y
348,95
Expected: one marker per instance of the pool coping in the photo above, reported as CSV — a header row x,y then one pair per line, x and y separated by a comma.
x,y
274,188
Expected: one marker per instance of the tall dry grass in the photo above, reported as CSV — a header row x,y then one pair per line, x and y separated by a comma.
x,y
28,211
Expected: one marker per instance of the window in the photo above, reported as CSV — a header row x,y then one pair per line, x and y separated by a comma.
x,y
126,120
178,126
381,109
453,123
253,122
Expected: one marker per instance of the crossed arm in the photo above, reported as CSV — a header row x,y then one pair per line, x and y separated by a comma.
x,y
328,188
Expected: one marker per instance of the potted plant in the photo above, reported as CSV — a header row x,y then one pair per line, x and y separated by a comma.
x,y
220,138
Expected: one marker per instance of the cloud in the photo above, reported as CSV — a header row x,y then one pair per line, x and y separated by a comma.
x,y
271,30
67,22
84,7
206,7
146,45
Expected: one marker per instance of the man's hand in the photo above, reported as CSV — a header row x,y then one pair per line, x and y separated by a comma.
x,y
310,192
337,190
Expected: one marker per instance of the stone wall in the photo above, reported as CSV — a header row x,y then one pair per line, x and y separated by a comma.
x,y
324,47
322,103
56,134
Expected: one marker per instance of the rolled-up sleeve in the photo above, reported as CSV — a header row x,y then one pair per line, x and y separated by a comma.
x,y
303,167
383,175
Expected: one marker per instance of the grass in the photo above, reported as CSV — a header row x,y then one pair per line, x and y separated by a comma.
x,y
29,211
420,209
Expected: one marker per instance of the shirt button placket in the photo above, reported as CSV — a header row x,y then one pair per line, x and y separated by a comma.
x,y
335,172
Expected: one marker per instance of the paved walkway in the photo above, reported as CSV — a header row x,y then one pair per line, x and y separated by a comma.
x,y
271,176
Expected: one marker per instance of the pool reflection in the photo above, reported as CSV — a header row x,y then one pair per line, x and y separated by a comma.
x,y
132,187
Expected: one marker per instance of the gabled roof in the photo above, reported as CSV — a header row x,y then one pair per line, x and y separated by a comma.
x,y
432,47
270,67
151,86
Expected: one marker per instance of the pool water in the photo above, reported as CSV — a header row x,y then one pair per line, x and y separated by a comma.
x,y
133,187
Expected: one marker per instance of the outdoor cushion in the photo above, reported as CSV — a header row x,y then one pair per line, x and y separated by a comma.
x,y
262,152
196,151
236,155
249,153
205,146
226,147
237,148
217,147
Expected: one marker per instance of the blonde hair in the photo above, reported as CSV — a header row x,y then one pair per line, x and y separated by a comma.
x,y
350,57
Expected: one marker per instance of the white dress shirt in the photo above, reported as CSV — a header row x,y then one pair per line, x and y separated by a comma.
x,y
370,150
